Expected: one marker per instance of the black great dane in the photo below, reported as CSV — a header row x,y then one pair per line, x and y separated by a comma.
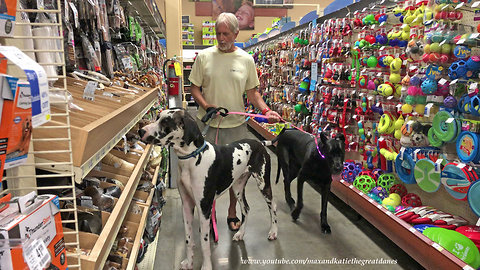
x,y
207,171
300,157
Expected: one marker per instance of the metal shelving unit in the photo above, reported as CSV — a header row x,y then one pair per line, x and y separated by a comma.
x,y
25,179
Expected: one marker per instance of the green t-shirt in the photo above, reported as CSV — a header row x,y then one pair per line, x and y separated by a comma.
x,y
224,78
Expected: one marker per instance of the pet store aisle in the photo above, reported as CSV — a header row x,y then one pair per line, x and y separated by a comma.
x,y
352,237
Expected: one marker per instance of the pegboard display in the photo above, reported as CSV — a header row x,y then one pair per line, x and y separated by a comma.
x,y
400,81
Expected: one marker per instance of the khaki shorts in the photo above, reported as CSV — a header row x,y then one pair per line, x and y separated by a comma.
x,y
225,135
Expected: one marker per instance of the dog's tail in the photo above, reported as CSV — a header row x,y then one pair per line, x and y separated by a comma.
x,y
270,143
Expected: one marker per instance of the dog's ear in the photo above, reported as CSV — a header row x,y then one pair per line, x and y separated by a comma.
x,y
323,137
191,131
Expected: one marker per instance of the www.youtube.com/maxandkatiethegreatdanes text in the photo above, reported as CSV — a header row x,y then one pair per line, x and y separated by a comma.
x,y
305,261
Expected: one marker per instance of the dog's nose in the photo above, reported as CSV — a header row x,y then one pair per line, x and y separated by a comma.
x,y
141,132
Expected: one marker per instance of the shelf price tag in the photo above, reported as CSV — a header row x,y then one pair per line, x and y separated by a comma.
x,y
437,246
36,255
89,91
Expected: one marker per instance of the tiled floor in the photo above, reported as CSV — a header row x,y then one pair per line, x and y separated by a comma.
x,y
352,236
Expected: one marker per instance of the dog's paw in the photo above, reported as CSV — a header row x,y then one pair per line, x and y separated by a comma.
x,y
207,266
238,236
326,229
296,213
186,265
272,235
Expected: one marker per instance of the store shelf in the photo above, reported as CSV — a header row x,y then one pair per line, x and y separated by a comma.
x,y
149,13
142,222
260,130
418,246
149,199
98,128
100,250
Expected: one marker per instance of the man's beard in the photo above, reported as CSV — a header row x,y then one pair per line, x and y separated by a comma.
x,y
225,47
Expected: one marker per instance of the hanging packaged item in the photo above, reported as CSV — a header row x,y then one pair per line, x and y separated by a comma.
x,y
34,222
16,120
8,10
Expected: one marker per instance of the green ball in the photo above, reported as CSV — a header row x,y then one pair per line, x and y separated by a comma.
x,y
372,61
421,99
370,18
410,100
435,47
446,48
298,108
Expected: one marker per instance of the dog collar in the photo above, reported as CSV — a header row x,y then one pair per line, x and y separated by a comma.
x,y
194,153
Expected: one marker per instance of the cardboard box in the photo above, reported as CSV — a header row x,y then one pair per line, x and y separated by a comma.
x,y
39,221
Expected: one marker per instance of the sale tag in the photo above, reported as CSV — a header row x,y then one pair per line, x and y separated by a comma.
x,y
178,69
442,81
450,120
36,255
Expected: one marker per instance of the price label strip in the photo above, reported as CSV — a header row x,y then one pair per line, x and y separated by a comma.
x,y
36,255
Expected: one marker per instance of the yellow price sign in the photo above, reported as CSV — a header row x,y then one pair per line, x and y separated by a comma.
x,y
178,69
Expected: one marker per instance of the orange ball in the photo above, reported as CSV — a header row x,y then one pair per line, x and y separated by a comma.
x,y
478,28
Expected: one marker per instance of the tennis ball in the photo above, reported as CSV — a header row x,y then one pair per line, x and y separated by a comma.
x,y
387,60
409,19
420,109
439,8
406,28
399,123
435,47
405,35
426,48
398,134
428,15
395,78
407,108
396,65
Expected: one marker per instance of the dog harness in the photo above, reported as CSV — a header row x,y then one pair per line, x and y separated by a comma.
x,y
194,153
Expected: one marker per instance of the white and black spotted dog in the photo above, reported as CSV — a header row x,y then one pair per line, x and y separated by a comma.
x,y
207,171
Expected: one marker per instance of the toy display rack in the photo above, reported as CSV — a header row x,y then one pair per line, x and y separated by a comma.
x,y
428,253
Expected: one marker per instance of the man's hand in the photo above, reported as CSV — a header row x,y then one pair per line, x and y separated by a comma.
x,y
273,116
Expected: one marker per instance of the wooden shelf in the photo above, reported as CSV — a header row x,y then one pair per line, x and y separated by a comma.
x,y
97,129
132,260
100,250
418,246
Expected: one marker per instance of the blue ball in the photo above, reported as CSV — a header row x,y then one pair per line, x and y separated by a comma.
x,y
402,43
393,42
472,65
415,80
383,18
429,86
457,70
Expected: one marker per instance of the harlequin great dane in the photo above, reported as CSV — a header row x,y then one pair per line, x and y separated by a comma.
x,y
207,171
299,156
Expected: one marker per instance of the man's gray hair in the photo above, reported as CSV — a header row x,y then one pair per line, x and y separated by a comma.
x,y
229,19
